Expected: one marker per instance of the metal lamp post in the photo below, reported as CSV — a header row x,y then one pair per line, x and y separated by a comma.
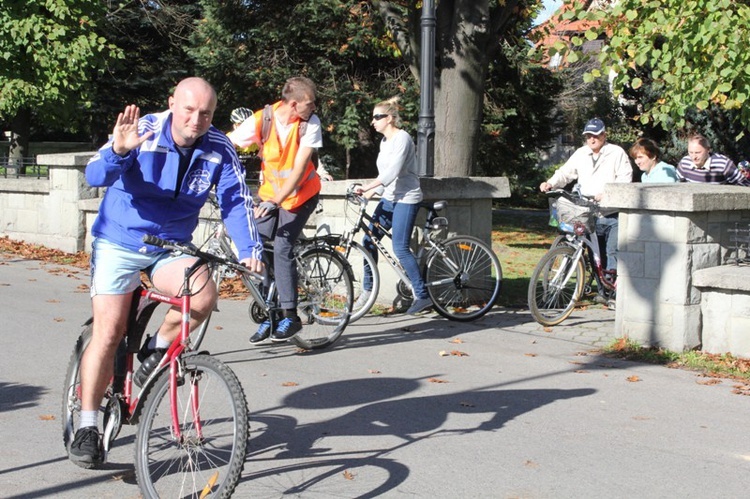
x,y
426,126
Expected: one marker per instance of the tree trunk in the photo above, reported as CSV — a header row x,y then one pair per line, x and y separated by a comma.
x,y
460,86
20,128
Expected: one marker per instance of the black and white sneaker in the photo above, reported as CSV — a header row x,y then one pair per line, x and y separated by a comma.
x,y
86,450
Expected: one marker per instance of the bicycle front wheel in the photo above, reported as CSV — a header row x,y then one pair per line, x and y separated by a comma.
x,y
555,286
359,259
463,278
325,297
71,401
207,458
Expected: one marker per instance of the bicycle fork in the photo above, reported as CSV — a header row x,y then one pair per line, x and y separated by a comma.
x,y
569,266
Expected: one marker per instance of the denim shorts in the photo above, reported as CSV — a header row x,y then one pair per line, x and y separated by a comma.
x,y
116,270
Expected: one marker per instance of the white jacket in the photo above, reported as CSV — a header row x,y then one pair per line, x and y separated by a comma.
x,y
613,165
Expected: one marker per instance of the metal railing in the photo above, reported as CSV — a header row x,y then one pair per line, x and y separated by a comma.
x,y
23,168
740,251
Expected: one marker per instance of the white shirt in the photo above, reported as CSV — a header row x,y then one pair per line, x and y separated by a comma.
x,y
397,169
244,135
592,172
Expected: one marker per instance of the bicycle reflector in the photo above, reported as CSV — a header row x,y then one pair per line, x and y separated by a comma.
x,y
439,222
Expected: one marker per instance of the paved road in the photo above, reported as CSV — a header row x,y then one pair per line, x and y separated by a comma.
x,y
526,413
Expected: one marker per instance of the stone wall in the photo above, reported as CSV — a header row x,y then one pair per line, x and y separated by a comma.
x,y
46,211
59,213
667,232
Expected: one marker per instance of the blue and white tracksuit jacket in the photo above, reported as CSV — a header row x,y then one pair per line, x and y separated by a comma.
x,y
141,197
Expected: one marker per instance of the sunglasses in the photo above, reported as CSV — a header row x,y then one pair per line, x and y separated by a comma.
x,y
378,117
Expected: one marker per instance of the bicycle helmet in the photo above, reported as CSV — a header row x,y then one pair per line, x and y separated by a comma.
x,y
240,114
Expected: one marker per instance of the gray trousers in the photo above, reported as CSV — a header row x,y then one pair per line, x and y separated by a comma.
x,y
283,227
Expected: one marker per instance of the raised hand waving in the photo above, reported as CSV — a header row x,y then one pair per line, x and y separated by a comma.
x,y
125,134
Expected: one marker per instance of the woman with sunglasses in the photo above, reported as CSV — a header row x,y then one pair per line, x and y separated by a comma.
x,y
398,184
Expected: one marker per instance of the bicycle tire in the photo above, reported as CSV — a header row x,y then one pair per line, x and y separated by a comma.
x,y
358,257
325,297
207,459
551,301
71,396
463,278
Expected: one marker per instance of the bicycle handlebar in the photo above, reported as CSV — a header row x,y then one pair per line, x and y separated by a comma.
x,y
352,196
571,196
193,251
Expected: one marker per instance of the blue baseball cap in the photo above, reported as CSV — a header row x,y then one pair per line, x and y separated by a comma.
x,y
594,126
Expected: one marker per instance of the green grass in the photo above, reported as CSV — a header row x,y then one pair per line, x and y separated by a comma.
x,y
519,238
711,365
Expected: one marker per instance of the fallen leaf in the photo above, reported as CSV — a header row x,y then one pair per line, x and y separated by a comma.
x,y
530,354
289,383
47,417
53,301
58,319
581,354
458,353
348,475
457,340
443,353
436,380
581,371
219,328
547,329
575,362
530,464
633,379
712,381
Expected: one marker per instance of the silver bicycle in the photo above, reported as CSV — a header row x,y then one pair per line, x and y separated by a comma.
x,y
462,274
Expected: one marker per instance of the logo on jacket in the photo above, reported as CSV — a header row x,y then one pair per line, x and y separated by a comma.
x,y
199,181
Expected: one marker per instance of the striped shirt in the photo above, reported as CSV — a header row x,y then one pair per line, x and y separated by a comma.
x,y
718,169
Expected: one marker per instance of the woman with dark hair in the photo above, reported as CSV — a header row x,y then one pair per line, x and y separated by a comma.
x,y
645,152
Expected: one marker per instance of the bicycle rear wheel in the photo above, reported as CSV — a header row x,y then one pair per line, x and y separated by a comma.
x,y
555,286
358,258
209,456
325,297
463,278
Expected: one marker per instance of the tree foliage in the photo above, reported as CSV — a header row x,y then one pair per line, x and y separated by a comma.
x,y
470,35
50,50
155,36
693,53
250,48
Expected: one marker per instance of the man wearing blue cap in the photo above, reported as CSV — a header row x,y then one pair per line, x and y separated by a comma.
x,y
593,165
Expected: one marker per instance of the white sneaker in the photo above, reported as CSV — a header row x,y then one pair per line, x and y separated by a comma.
x,y
363,297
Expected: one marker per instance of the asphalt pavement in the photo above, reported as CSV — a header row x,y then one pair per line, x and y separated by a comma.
x,y
399,407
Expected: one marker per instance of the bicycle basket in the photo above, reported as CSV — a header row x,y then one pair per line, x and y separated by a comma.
x,y
567,213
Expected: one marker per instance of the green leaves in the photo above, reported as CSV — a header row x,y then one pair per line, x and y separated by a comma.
x,y
50,52
695,49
